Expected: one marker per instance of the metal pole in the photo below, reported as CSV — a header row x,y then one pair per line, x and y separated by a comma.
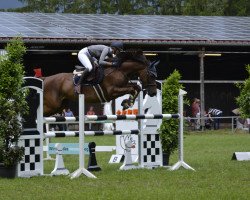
x,y
202,90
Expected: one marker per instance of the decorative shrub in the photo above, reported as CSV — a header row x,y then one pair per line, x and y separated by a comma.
x,y
12,102
244,99
169,128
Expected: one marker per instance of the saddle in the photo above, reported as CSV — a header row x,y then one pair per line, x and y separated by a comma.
x,y
93,78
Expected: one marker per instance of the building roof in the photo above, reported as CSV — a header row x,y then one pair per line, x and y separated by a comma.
x,y
138,29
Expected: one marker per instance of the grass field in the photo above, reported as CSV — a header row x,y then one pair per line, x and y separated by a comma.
x,y
209,153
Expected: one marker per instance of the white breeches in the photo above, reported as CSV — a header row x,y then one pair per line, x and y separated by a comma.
x,y
84,56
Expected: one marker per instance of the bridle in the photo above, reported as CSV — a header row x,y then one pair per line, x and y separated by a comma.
x,y
149,76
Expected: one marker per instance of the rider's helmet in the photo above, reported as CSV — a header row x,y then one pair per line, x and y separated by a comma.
x,y
117,44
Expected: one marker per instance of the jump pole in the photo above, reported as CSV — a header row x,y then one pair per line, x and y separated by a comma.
x,y
81,169
181,162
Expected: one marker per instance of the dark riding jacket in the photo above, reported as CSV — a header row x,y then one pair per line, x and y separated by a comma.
x,y
100,52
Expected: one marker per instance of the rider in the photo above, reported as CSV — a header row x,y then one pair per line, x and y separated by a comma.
x,y
93,53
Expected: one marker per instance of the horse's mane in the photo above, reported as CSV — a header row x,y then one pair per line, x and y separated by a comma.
x,y
132,54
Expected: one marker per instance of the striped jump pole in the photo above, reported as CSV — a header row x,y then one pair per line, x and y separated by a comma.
x,y
51,120
130,117
52,134
61,119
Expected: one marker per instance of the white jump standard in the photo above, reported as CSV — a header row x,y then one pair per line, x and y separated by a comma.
x,y
181,162
81,169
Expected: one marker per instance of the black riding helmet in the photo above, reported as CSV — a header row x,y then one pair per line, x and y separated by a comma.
x,y
117,44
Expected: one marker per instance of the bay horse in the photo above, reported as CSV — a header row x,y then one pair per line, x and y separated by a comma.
x,y
59,88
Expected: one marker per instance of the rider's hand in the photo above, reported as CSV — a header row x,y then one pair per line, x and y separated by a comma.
x,y
96,62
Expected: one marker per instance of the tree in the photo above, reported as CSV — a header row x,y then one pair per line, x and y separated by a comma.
x,y
204,7
243,100
162,7
48,6
170,7
237,8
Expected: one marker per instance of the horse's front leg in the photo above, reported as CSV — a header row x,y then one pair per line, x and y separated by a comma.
x,y
131,89
132,97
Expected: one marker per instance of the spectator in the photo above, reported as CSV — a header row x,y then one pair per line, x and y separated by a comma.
x,y
215,113
196,112
67,113
58,127
91,112
208,120
236,114
195,107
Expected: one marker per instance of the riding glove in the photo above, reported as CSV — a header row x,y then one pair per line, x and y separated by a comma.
x,y
115,64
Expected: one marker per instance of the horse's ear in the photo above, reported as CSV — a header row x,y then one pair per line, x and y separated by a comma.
x,y
152,68
155,63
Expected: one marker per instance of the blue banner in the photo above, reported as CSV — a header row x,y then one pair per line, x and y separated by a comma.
x,y
68,148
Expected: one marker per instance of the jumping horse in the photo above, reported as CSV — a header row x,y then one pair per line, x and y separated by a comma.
x,y
59,88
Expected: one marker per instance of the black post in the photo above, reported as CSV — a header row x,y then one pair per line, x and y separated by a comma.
x,y
92,165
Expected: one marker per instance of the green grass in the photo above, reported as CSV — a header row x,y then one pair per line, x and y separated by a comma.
x,y
209,153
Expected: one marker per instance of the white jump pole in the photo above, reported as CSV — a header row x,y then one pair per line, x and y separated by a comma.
x,y
81,169
181,162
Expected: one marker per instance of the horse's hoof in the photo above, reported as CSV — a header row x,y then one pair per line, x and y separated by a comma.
x,y
125,107
131,105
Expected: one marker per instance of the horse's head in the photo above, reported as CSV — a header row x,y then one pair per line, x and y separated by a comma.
x,y
148,77
134,62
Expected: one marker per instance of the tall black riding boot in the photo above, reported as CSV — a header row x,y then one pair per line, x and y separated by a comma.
x,y
83,76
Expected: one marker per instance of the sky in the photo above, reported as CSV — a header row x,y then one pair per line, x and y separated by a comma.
x,y
5,4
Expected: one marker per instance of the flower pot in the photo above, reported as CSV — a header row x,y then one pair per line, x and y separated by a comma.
x,y
165,159
8,172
